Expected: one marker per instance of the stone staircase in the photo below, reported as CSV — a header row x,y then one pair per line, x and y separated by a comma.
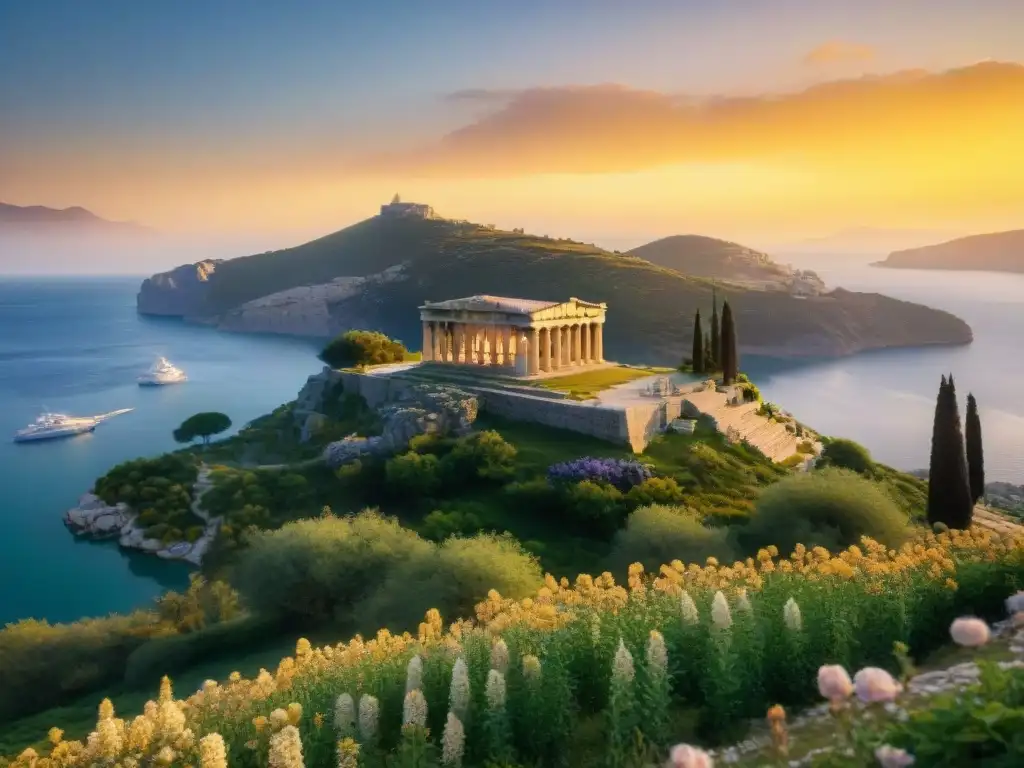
x,y
768,436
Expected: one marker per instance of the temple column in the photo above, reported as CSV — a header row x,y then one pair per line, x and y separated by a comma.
x,y
585,343
435,341
534,350
556,348
478,334
506,340
491,333
566,344
544,336
577,345
442,342
427,345
456,338
599,343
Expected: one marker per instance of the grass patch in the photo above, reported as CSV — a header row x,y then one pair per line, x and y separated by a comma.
x,y
586,385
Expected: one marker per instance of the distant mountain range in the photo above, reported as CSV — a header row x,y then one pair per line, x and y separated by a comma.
x,y
38,219
996,252
865,242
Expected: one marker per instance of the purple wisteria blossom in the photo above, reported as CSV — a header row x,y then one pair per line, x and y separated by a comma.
x,y
621,473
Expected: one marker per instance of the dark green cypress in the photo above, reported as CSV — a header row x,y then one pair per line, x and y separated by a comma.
x,y
975,450
716,338
949,490
730,359
709,355
698,345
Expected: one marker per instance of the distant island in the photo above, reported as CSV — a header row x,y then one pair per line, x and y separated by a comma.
x,y
38,219
375,273
997,252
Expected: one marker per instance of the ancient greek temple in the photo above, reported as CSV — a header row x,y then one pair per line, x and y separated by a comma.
x,y
523,336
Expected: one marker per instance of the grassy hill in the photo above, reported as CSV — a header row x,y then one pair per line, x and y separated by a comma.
x,y
998,252
708,257
651,307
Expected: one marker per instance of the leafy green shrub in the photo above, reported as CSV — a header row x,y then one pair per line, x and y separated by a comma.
x,y
441,524
657,534
832,508
452,577
204,425
173,653
319,568
481,455
596,507
359,348
414,473
255,497
159,489
656,490
793,461
805,446
846,454
203,604
535,497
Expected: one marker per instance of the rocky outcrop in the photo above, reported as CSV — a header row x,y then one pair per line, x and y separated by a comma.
x,y
180,292
308,310
425,410
93,518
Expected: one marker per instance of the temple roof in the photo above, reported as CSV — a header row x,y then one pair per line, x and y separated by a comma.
x,y
494,304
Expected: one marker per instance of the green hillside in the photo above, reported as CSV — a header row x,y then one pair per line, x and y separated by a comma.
x,y
709,257
650,307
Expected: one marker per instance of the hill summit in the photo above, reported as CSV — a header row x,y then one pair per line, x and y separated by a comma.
x,y
376,273
997,252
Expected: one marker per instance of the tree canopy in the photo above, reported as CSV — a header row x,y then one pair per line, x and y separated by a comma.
x,y
949,489
975,451
359,348
203,425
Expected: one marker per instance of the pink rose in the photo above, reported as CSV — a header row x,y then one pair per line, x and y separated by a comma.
x,y
685,756
834,683
969,632
875,686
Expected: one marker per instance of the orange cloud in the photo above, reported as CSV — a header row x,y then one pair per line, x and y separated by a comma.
x,y
839,52
917,123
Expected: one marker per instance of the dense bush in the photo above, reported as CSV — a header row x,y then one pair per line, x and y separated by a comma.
x,y
623,474
259,497
443,524
658,534
832,508
481,455
846,454
159,489
597,508
414,473
359,348
452,578
318,569
655,490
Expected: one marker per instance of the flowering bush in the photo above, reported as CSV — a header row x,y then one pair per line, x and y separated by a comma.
x,y
622,474
508,688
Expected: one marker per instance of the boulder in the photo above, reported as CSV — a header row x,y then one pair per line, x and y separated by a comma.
x,y
94,517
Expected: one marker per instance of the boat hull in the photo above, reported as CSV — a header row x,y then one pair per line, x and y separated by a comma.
x,y
152,383
35,437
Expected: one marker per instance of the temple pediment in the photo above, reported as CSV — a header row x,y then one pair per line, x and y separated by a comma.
x,y
532,308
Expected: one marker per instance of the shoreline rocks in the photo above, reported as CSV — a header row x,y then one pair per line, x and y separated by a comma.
x,y
94,519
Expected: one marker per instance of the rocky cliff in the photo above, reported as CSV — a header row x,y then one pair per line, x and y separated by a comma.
x,y
181,292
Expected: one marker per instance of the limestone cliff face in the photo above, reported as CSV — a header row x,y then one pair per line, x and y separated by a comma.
x,y
180,292
310,310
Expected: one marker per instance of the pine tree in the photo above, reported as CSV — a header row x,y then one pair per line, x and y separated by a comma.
x,y
949,491
730,359
698,345
975,451
716,338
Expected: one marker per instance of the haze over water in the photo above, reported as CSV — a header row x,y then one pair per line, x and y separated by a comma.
x,y
76,345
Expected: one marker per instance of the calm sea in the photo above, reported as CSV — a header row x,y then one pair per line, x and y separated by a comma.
x,y
76,345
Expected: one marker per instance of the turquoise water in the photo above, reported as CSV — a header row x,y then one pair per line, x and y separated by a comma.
x,y
886,399
76,346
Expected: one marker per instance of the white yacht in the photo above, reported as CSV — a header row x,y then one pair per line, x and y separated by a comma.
x,y
162,372
51,425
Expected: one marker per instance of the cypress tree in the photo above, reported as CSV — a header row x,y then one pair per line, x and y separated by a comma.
x,y
698,345
729,359
975,451
709,355
949,490
716,339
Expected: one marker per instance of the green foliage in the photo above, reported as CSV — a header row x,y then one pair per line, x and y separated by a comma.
x,y
697,355
596,507
318,569
655,490
832,508
159,489
443,524
201,605
481,455
658,534
361,348
846,454
452,578
974,449
414,473
260,498
203,425
169,654
949,488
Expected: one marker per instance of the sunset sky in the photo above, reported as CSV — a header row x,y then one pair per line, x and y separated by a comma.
x,y
599,119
